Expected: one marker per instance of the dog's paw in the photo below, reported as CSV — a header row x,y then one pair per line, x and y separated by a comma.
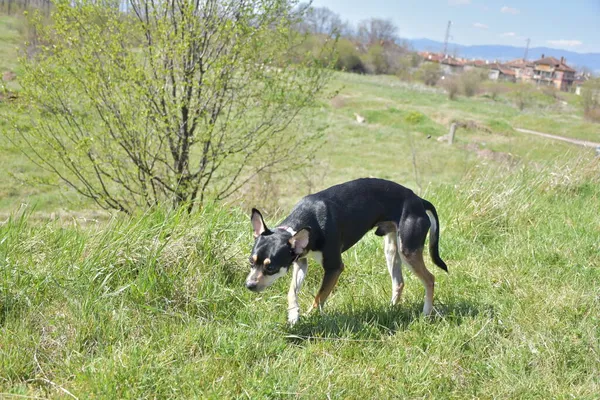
x,y
293,317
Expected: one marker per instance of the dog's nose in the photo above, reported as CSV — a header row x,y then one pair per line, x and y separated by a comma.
x,y
251,285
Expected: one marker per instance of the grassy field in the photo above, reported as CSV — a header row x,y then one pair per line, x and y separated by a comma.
x,y
153,306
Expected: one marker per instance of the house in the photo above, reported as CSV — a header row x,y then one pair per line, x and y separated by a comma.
x,y
451,65
523,69
472,64
552,72
500,72
432,57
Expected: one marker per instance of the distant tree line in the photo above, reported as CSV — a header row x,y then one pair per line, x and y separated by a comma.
x,y
372,46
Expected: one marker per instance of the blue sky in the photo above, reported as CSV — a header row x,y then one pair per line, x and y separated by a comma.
x,y
562,24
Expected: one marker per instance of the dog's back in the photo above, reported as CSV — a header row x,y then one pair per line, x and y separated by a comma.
x,y
351,209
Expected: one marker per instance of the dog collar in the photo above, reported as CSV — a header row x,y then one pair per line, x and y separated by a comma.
x,y
287,229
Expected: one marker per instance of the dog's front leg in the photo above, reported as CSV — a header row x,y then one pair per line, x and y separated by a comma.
x,y
298,275
330,279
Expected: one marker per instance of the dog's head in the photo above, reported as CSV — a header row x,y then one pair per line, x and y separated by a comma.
x,y
273,252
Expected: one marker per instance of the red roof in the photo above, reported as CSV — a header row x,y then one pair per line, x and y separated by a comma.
x,y
507,71
565,67
452,61
431,56
476,63
553,62
519,63
503,69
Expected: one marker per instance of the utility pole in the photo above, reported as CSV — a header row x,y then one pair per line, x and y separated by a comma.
x,y
446,39
526,50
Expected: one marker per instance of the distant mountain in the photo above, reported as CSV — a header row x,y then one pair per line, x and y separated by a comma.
x,y
505,53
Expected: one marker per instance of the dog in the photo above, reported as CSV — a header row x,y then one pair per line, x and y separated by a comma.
x,y
326,224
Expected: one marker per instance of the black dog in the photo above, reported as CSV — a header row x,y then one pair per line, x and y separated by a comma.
x,y
326,224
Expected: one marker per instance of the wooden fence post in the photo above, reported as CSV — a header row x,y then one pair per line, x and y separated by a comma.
x,y
451,134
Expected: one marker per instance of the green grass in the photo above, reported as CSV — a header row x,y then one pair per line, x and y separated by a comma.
x,y
10,40
154,305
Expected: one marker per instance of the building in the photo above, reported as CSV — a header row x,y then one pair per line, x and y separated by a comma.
x,y
449,65
579,81
523,69
552,72
500,72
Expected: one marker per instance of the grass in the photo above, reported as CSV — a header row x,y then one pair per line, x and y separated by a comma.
x,y
153,305
10,39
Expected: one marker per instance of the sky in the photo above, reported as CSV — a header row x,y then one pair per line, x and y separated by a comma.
x,y
561,24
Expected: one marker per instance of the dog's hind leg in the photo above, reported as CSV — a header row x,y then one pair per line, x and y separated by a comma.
x,y
412,232
298,275
394,265
415,260
333,269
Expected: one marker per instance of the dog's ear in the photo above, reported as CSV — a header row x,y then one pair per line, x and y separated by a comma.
x,y
258,223
300,240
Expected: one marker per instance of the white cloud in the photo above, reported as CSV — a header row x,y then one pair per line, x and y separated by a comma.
x,y
565,43
479,25
509,10
459,2
508,34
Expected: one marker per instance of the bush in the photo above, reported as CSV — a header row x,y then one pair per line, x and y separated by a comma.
x,y
593,114
552,92
494,89
377,60
470,82
405,65
349,58
139,111
591,100
429,73
452,87
523,95
414,117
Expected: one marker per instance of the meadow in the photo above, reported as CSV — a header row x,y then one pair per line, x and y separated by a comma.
x,y
101,305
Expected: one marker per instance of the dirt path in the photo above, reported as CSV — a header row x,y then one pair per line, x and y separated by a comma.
x,y
584,143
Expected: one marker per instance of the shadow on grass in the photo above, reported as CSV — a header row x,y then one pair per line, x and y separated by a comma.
x,y
370,323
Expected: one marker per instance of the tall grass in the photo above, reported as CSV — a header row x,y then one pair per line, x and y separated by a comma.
x,y
154,305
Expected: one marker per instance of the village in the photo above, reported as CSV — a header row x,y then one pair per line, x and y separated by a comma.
x,y
547,70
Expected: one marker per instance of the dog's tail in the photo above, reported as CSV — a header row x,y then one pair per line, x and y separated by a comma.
x,y
434,235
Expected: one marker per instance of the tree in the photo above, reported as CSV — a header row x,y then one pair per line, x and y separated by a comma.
x,y
429,73
377,31
321,20
173,102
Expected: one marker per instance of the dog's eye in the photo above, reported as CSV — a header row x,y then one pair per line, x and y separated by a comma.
x,y
270,268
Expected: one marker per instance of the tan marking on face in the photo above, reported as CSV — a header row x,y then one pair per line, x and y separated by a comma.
x,y
267,261
264,281
255,258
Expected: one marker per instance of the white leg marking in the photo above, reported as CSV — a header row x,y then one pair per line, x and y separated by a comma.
x,y
299,273
417,265
394,265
